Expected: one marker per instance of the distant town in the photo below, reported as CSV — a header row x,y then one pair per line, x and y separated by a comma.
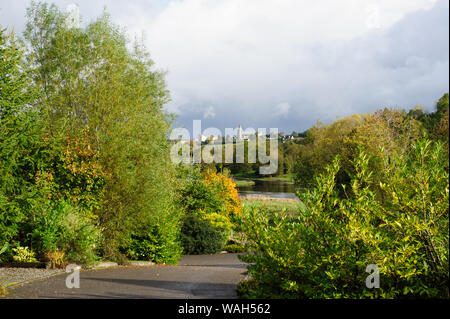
x,y
240,135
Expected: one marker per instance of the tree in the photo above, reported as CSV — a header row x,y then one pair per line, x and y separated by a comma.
x,y
19,137
432,120
49,184
321,145
92,82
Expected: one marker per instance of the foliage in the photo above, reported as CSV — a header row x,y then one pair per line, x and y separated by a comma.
x,y
197,195
58,226
24,255
322,144
235,248
84,159
154,245
19,138
55,259
227,193
96,88
211,204
323,252
431,120
381,133
199,236
42,175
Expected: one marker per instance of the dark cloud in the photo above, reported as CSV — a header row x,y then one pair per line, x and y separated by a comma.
x,y
286,63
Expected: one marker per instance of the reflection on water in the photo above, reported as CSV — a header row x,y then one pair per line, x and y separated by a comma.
x,y
274,189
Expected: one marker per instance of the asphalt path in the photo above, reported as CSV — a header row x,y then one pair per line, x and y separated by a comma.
x,y
195,277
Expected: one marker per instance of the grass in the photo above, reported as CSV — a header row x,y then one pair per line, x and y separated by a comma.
x,y
249,174
273,204
283,178
253,176
244,182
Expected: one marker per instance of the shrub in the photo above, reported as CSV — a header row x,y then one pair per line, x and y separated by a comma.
x,y
199,236
153,245
323,253
78,175
58,226
55,258
235,248
227,191
24,255
211,204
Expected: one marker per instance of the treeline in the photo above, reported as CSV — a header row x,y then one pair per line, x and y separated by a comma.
x,y
375,193
306,154
383,132
85,170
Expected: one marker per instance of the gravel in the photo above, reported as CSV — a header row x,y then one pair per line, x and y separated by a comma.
x,y
13,276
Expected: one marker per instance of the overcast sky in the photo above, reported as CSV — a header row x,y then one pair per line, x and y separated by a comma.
x,y
283,63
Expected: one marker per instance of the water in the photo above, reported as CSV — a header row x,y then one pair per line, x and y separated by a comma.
x,y
273,189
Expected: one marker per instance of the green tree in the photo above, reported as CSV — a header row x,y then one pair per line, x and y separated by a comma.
x,y
19,137
92,82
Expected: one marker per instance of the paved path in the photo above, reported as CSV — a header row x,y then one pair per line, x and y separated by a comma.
x,y
205,276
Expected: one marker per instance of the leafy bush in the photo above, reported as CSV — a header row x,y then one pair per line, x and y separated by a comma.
x,y
211,203
323,253
24,255
199,236
154,246
55,259
235,248
227,191
60,227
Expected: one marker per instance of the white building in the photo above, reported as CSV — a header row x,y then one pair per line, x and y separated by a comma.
x,y
241,135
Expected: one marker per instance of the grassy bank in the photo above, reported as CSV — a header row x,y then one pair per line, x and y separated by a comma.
x,y
243,182
280,178
290,206
251,176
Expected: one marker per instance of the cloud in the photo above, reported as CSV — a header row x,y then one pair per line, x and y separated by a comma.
x,y
209,112
282,109
231,61
244,57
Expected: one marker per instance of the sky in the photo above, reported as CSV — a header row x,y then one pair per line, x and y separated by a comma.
x,y
283,63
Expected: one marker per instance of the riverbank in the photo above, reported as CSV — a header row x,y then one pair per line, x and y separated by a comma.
x,y
243,182
290,206
252,177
